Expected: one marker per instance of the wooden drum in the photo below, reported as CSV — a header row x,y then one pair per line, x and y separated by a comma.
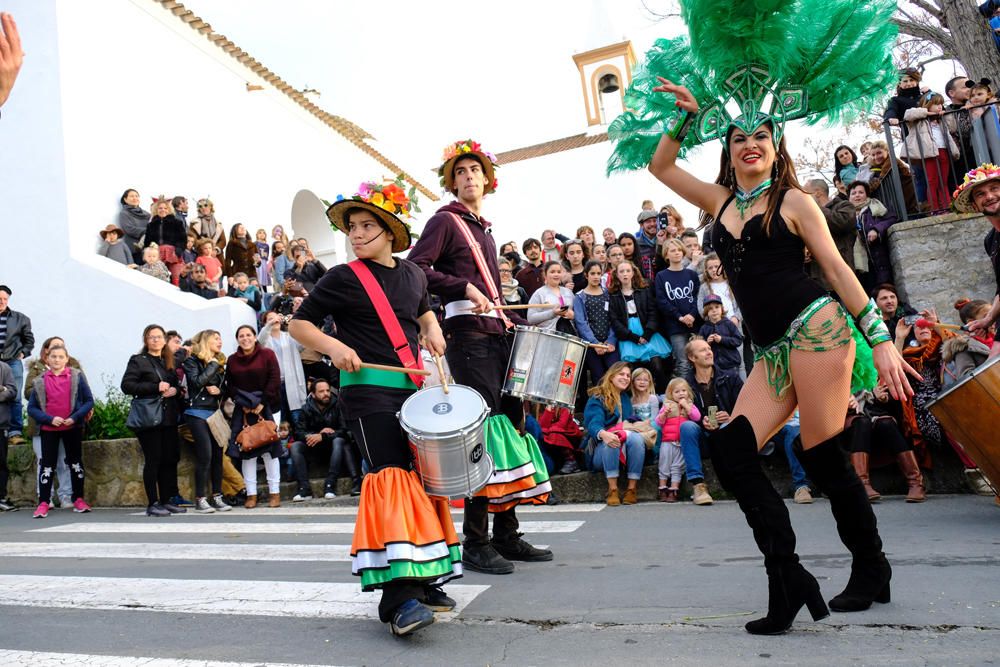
x,y
970,412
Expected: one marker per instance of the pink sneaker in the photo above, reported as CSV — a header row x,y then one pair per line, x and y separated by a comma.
x,y
80,506
41,511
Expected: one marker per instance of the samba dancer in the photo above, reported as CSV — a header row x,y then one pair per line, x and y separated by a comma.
x,y
457,252
805,344
980,193
404,541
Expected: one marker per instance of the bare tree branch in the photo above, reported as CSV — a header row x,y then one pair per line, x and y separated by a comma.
x,y
927,7
933,34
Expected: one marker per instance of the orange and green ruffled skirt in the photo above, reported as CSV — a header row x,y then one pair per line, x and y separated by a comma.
x,y
520,476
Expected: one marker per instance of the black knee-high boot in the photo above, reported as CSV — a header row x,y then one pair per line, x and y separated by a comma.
x,y
829,469
789,585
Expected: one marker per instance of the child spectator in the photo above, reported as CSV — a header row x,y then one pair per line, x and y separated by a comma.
x,y
8,392
263,252
249,294
677,409
929,140
987,142
60,400
151,264
190,254
114,247
677,301
720,332
645,402
560,437
207,258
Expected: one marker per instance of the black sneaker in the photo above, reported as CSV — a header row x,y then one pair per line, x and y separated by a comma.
x,y
515,548
356,489
485,559
8,505
173,509
435,599
569,467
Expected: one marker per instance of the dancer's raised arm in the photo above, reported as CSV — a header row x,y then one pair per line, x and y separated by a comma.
x,y
709,197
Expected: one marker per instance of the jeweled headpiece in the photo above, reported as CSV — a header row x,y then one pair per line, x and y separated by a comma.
x,y
759,61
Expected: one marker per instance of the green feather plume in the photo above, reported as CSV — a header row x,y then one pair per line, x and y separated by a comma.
x,y
839,52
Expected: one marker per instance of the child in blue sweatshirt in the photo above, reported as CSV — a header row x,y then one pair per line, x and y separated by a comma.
x,y
720,332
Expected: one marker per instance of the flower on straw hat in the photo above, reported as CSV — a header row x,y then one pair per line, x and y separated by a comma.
x,y
455,150
963,194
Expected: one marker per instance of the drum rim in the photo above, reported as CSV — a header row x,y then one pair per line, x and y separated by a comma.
x,y
548,332
402,422
979,370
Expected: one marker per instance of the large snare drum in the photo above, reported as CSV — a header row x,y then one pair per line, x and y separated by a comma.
x,y
970,412
545,366
447,435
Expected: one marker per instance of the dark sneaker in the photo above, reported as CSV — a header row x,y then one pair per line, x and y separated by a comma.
x,y
569,467
7,505
219,504
173,509
156,509
356,489
517,549
410,617
436,600
178,501
485,559
302,496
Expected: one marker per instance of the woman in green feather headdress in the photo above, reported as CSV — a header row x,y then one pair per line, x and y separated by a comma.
x,y
780,60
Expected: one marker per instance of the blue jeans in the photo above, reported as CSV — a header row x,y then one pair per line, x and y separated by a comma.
x,y
606,457
16,415
693,439
787,435
681,364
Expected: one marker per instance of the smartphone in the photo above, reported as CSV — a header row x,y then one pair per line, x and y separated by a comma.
x,y
662,220
713,416
910,320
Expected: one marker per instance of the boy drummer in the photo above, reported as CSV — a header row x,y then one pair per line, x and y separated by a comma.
x,y
404,541
459,257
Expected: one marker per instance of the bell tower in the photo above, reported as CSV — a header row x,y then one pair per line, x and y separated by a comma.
x,y
605,73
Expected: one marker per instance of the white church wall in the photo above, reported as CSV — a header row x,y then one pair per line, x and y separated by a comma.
x,y
118,94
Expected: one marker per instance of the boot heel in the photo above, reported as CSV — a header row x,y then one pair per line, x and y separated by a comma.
x,y
817,607
883,595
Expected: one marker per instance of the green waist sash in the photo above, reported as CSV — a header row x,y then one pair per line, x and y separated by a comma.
x,y
378,378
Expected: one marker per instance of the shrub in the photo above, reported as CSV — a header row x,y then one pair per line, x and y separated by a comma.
x,y
108,420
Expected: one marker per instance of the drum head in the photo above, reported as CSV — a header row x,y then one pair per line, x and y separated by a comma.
x,y
430,410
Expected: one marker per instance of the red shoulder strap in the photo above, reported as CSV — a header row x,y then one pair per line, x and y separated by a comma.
x,y
388,318
477,254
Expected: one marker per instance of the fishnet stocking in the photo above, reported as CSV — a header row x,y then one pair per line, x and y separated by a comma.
x,y
821,384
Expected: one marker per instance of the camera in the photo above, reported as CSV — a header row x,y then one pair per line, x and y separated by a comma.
x,y
910,320
662,220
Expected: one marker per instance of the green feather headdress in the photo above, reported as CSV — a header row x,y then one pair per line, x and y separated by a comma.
x,y
751,61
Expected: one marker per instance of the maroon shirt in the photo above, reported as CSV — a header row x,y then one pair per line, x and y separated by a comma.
x,y
446,259
257,371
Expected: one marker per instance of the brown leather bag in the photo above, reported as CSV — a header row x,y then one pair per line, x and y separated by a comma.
x,y
262,433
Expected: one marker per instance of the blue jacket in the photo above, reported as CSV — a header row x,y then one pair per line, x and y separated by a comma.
x,y
727,352
583,326
596,417
677,296
727,387
80,396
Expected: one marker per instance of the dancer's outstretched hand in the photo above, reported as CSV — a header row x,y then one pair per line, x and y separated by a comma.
x,y
892,370
685,100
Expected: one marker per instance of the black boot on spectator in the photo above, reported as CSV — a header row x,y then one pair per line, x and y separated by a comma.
x,y
8,505
789,585
829,469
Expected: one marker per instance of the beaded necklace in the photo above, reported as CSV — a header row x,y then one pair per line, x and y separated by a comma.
x,y
744,199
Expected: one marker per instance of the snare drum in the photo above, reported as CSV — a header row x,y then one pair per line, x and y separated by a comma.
x,y
447,435
970,412
545,366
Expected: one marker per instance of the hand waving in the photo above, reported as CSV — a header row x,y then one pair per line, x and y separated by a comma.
x,y
685,100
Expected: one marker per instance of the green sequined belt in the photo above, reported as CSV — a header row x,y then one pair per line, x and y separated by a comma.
x,y
803,334
378,378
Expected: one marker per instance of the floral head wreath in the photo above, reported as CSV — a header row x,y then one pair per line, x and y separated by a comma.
x,y
389,201
470,148
962,198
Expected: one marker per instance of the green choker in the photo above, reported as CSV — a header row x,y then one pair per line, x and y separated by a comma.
x,y
744,199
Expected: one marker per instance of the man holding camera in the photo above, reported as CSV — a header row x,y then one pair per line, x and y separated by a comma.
x,y
648,240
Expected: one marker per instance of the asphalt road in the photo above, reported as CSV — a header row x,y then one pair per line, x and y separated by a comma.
x,y
649,584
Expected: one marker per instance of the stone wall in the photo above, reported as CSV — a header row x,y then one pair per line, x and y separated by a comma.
x,y
940,260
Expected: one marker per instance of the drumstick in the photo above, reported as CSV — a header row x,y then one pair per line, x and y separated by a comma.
x,y
521,306
444,378
395,369
947,326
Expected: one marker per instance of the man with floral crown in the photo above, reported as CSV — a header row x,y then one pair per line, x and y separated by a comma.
x,y
404,540
459,257
980,193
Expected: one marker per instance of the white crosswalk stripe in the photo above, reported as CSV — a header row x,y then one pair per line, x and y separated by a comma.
x,y
162,527
50,659
302,599
306,510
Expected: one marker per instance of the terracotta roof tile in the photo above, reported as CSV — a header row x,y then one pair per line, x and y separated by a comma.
x,y
550,147
350,131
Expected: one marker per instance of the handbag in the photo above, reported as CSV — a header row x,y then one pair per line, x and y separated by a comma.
x,y
254,436
145,413
566,326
